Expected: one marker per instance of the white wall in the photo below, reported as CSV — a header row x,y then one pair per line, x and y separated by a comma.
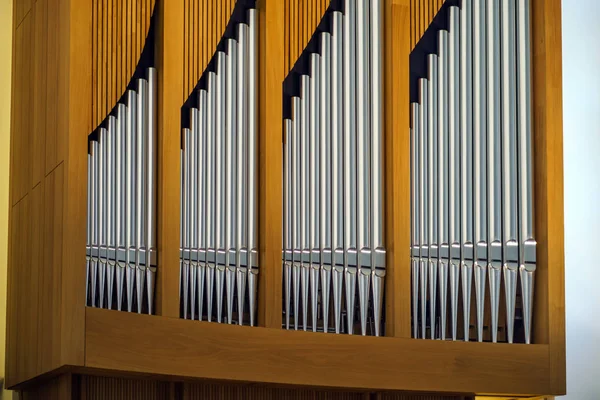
x,y
581,107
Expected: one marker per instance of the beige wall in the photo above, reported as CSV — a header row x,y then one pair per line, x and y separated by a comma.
x,y
5,68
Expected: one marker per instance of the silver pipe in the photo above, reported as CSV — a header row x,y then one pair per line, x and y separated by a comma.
x,y
102,214
141,187
88,237
131,197
466,150
350,246
494,161
432,183
509,163
110,210
202,213
422,189
151,187
527,250
94,221
296,204
231,174
377,168
479,159
182,222
186,220
120,173
337,165
443,183
253,161
363,154
305,196
325,179
221,184
314,168
414,212
192,216
242,169
454,161
287,219
211,190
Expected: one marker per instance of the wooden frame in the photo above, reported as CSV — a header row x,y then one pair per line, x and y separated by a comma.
x,y
91,339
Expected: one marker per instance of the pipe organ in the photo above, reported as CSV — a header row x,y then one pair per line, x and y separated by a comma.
x,y
382,150
472,170
121,252
333,175
219,192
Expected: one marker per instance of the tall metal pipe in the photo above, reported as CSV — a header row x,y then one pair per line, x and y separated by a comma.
x,y
102,213
120,173
94,221
186,220
296,205
494,155
422,193
131,195
111,231
363,154
510,239
350,246
287,218
141,187
414,211
192,216
314,168
221,184
253,161
377,160
527,249
202,213
325,179
243,169
466,150
480,158
337,164
432,183
211,190
454,162
231,170
305,196
443,183
151,187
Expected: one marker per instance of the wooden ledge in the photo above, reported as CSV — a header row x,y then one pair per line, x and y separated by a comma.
x,y
165,346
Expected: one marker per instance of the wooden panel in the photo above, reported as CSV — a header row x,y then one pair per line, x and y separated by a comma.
x,y
204,24
246,354
421,15
59,388
272,73
397,199
549,314
119,31
301,18
99,388
170,61
51,99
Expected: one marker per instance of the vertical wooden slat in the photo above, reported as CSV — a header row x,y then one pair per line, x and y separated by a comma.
x,y
398,320
39,94
549,314
170,61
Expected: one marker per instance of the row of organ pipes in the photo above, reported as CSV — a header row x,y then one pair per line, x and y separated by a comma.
x,y
121,255
472,173
219,191
333,177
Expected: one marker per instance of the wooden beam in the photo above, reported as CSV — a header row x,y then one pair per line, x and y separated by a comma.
x,y
169,53
272,73
192,349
